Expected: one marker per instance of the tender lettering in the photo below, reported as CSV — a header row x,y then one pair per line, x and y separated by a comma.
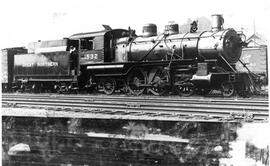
x,y
41,64
49,64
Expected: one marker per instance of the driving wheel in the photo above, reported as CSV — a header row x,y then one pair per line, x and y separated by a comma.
x,y
160,82
136,81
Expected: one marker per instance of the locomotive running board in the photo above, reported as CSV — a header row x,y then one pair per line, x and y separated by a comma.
x,y
105,66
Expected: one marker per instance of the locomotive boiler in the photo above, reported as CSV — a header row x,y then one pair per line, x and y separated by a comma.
x,y
220,43
118,60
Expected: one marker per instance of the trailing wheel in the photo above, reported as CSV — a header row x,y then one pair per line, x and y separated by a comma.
x,y
109,85
136,81
160,82
227,89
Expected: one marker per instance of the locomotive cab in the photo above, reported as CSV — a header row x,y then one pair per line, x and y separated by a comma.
x,y
98,47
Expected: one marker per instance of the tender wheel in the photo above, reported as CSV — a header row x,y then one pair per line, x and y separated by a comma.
x,y
227,89
185,88
22,88
34,88
160,82
135,81
63,88
4,88
37,88
109,85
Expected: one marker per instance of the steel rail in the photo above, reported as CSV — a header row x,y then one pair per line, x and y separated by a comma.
x,y
142,99
135,106
198,104
264,98
145,110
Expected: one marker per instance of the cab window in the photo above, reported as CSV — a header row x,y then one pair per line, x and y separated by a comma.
x,y
87,44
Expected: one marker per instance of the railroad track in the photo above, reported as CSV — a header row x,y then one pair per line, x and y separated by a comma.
x,y
144,108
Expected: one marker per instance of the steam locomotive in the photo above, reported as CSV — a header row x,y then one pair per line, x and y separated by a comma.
x,y
117,59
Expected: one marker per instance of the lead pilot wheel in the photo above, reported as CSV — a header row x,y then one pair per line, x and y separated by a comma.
x,y
109,85
227,89
136,81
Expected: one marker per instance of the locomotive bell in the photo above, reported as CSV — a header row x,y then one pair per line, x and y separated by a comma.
x,y
149,30
172,28
217,22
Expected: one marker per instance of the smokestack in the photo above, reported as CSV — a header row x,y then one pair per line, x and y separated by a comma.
x,y
217,22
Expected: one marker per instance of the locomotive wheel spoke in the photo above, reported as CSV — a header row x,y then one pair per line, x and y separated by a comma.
x,y
109,85
136,78
160,82
185,89
227,89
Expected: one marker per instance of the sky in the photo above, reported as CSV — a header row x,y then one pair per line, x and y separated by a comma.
x,y
25,21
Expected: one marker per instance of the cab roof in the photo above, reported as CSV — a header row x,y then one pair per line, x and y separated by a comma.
x,y
93,34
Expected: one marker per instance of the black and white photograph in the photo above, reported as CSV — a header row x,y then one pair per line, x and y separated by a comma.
x,y
134,82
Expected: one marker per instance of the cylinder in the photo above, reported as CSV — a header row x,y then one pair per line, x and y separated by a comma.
x,y
149,30
217,22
